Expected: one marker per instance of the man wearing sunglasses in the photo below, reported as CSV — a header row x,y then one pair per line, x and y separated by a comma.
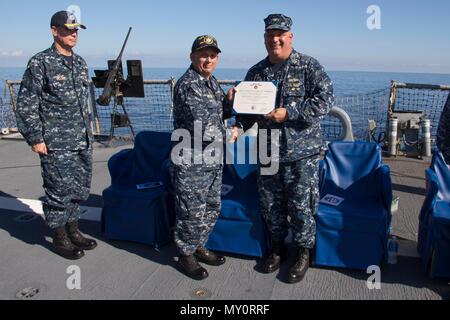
x,y
52,115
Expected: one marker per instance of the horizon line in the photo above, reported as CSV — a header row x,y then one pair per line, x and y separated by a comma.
x,y
231,68
245,68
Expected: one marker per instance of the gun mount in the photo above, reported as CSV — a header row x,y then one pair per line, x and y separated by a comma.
x,y
116,86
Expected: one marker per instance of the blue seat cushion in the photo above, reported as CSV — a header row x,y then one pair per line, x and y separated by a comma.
x,y
240,237
365,217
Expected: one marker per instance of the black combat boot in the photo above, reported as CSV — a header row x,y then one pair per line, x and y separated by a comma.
x,y
213,259
77,238
278,253
190,267
298,270
64,247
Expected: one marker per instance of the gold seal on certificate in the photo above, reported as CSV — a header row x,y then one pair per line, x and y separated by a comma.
x,y
255,97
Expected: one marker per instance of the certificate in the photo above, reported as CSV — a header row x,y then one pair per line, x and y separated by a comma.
x,y
253,97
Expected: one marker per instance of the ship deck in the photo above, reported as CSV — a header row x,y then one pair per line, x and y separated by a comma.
x,y
125,270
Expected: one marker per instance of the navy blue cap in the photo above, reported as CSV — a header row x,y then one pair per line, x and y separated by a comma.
x,y
205,42
278,21
65,19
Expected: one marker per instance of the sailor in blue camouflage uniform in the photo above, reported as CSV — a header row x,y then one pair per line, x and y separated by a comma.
x,y
52,115
443,132
305,95
200,107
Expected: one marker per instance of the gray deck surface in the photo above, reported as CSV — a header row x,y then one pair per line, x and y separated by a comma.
x,y
124,270
408,183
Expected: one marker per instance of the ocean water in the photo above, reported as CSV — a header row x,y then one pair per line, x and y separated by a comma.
x,y
345,82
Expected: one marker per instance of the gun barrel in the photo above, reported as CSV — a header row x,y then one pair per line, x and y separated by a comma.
x,y
104,99
125,43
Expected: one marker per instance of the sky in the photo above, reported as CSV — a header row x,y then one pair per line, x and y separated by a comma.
x,y
413,35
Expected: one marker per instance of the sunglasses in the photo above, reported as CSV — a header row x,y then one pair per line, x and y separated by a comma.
x,y
66,31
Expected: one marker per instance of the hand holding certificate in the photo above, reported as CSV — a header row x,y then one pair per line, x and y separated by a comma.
x,y
253,97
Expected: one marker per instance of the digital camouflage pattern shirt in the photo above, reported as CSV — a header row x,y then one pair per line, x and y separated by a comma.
x,y
52,105
201,103
306,91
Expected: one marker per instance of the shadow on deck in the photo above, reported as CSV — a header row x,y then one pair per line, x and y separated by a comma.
x,y
125,270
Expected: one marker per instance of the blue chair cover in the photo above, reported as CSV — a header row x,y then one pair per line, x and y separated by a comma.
x,y
442,172
120,166
434,220
136,215
144,215
240,228
353,234
151,150
244,160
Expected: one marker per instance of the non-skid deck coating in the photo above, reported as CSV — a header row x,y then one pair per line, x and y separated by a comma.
x,y
125,270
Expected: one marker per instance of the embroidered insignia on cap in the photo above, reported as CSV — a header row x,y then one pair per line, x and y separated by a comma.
x,y
206,40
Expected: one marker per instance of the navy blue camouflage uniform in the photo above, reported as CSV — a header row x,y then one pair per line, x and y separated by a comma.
x,y
443,132
52,108
306,91
197,184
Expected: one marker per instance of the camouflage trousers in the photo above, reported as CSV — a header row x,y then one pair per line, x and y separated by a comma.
x,y
197,203
293,192
67,179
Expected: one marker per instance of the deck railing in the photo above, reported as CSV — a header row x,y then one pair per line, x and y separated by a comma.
x,y
368,112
